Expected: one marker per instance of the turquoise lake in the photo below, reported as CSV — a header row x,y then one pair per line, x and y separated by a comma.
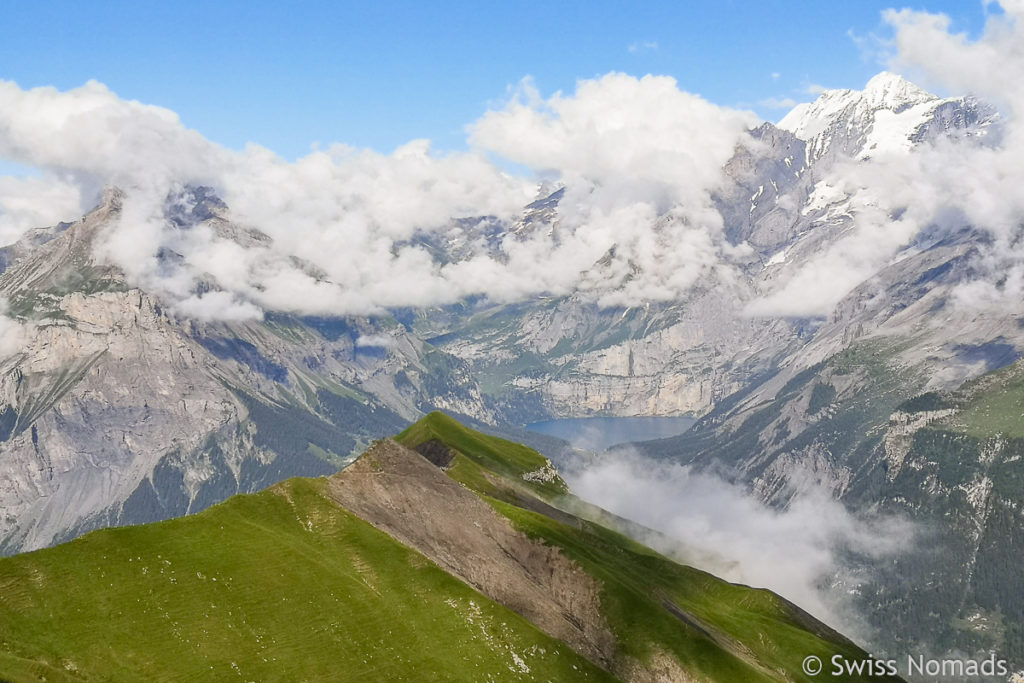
x,y
599,433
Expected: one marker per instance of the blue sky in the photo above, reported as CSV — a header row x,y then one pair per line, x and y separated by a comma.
x,y
287,75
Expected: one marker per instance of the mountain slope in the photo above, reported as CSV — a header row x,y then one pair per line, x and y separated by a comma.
x,y
355,576
858,424
117,411
282,585
953,461
832,413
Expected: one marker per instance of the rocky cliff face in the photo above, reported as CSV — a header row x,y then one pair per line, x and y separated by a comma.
x,y
116,412
571,358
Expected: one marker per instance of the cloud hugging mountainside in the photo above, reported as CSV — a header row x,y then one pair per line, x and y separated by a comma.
x,y
353,215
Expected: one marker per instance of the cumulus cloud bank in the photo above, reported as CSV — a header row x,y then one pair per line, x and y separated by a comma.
x,y
719,527
27,203
639,159
353,231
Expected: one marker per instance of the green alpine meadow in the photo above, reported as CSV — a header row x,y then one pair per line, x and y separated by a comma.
x,y
290,584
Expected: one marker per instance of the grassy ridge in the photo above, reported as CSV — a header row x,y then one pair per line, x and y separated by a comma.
x,y
489,452
282,585
287,585
737,633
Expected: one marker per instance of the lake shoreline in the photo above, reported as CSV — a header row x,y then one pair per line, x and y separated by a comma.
x,y
601,433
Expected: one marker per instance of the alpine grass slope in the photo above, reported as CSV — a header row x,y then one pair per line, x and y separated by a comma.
x,y
448,562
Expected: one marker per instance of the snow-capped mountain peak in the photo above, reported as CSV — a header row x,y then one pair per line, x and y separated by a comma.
x,y
884,91
893,92
885,116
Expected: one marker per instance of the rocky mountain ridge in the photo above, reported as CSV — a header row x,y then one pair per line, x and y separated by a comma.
x,y
119,412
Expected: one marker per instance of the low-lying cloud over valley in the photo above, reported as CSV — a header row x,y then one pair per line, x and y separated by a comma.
x,y
800,552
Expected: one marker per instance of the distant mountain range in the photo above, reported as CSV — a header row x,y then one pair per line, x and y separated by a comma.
x,y
115,411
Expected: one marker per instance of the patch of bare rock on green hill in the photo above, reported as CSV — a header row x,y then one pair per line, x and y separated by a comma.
x,y
400,492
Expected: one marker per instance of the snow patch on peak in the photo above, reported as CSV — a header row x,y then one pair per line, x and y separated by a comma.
x,y
797,114
891,91
884,91
808,120
894,131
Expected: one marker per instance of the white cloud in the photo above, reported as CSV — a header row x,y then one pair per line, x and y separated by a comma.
x,y
776,75
218,306
621,138
643,46
379,340
640,157
94,137
35,202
